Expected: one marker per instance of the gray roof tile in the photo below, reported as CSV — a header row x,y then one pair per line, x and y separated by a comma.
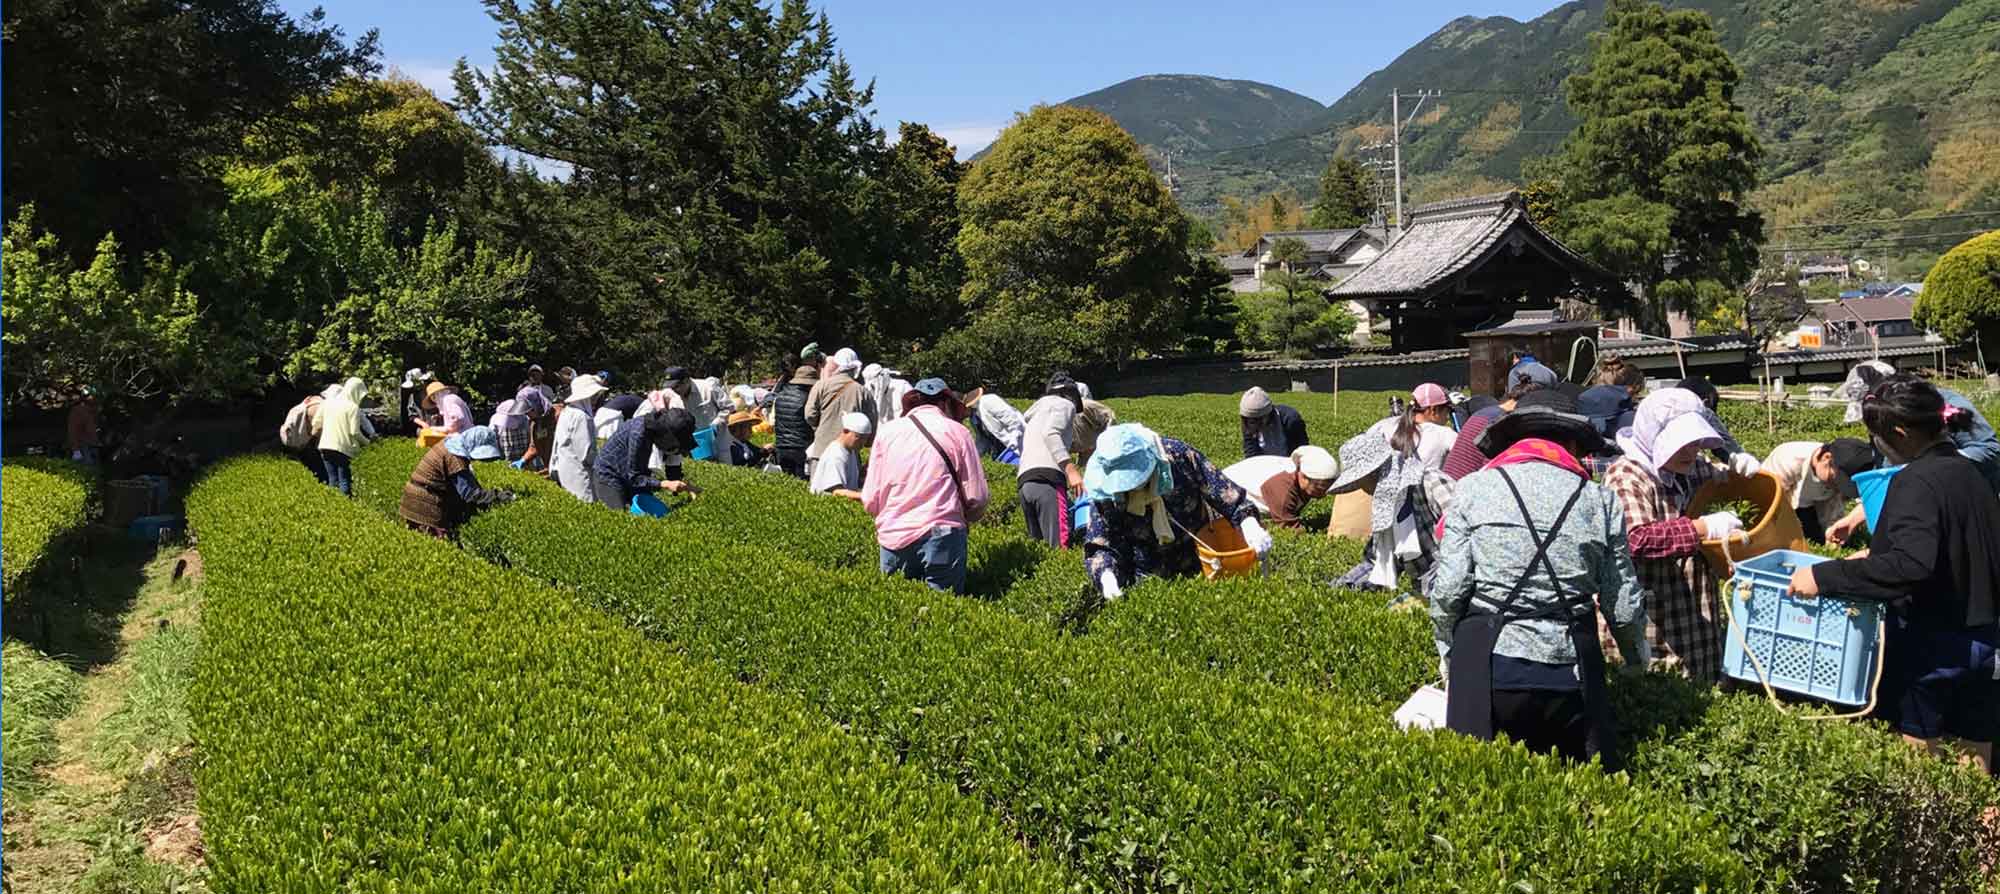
x,y
1445,238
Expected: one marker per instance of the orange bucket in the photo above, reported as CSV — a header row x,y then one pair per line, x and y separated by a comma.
x,y
1223,552
1778,529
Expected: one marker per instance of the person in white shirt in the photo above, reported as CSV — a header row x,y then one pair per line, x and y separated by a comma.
x,y
575,442
838,471
1423,428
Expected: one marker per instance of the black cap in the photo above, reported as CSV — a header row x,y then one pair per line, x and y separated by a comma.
x,y
1702,388
1060,380
672,430
1852,456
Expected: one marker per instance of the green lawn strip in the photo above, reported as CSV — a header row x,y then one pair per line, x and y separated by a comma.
x,y
116,812
1139,774
39,691
380,711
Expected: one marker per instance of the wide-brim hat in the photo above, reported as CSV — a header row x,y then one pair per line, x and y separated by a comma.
x,y
431,391
1360,456
743,417
584,387
1525,422
971,398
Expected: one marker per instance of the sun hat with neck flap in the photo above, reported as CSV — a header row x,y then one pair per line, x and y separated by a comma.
x,y
1128,458
1360,456
478,443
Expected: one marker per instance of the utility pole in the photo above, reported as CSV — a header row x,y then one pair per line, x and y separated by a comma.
x,y
1396,140
1397,124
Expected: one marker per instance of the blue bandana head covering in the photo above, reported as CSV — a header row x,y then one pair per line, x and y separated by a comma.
x,y
477,443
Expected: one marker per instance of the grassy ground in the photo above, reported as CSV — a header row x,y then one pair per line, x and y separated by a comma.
x,y
109,804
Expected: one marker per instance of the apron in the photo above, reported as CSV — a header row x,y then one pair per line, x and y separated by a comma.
x,y
1469,699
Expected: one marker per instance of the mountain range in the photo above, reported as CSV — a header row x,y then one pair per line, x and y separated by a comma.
x,y
1866,109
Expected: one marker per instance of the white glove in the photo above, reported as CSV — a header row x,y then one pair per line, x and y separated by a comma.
x,y
1109,581
1744,464
1256,537
1721,524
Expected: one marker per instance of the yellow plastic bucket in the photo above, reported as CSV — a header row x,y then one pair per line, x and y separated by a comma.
x,y
1779,527
428,437
1223,552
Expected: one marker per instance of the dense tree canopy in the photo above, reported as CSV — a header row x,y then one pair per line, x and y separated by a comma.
x,y
1346,195
1654,183
116,109
1961,295
1063,221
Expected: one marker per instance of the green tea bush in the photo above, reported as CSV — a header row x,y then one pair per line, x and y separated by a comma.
x,y
428,722
1293,634
1138,774
42,502
1058,595
998,559
1822,806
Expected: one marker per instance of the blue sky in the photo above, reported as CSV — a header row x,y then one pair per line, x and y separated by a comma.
x,y
965,68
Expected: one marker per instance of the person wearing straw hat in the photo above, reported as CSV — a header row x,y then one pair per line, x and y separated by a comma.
x,y
742,452
621,471
1532,551
1149,495
1665,462
445,409
1269,428
1281,486
838,471
575,442
442,492
925,488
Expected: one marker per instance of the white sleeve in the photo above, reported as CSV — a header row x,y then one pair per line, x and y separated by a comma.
x,y
825,474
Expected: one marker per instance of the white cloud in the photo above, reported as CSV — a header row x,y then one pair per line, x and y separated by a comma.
x,y
436,77
970,138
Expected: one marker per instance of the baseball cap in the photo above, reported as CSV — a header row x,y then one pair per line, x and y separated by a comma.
x,y
1430,394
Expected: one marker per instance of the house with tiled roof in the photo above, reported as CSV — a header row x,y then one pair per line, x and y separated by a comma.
x,y
1463,263
1331,255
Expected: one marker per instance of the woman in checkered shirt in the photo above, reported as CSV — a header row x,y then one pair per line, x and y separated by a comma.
x,y
1664,464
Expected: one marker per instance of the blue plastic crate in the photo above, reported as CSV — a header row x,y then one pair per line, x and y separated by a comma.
x,y
1824,648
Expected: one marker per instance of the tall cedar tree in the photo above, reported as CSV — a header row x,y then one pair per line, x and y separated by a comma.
x,y
1346,195
1063,223
117,109
716,153
1656,177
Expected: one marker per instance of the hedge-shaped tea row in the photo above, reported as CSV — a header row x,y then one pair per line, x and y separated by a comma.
x,y
381,712
41,502
1141,775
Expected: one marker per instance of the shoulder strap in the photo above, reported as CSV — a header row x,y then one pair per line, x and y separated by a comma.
x,y
1541,544
957,486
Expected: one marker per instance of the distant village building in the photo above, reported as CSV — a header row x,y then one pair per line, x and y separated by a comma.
x,y
1857,321
1468,264
1825,267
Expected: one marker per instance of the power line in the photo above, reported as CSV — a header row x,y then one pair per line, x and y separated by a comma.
x,y
1886,220
1881,242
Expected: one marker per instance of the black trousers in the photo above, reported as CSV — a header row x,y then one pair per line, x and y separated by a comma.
x,y
1544,720
793,461
1809,520
1042,506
